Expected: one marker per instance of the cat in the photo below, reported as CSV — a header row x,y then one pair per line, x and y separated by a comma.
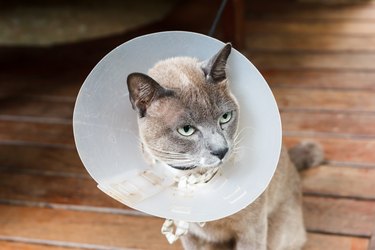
x,y
188,119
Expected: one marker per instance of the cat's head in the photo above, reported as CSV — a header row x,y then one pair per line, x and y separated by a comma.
x,y
187,115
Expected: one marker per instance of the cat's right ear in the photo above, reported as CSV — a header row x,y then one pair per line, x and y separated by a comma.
x,y
143,90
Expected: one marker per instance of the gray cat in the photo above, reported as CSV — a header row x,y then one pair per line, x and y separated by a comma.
x,y
188,119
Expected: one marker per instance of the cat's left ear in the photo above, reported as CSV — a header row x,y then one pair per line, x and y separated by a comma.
x,y
214,69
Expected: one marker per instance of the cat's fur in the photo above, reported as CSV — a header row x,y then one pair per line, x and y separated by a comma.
x,y
183,91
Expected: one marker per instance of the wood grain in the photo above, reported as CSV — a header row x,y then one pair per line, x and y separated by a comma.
x,y
60,109
48,160
83,227
312,60
8,245
334,124
21,85
36,132
312,11
315,78
337,27
310,43
321,241
347,150
324,99
340,181
339,216
48,188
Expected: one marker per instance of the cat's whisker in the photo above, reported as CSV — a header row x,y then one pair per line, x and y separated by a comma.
x,y
180,163
174,156
165,159
241,131
237,139
237,144
177,160
167,153
236,150
164,151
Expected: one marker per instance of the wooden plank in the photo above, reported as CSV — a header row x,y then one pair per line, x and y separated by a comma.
x,y
324,99
323,241
9,245
312,11
18,85
320,78
53,189
335,123
340,181
341,150
47,160
94,228
339,216
313,60
37,107
36,132
84,227
310,43
337,27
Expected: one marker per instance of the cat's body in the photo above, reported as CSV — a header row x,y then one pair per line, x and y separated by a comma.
x,y
273,221
188,119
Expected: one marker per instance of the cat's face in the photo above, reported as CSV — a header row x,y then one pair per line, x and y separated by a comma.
x,y
187,115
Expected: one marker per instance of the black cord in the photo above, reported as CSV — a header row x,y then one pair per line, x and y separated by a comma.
x,y
217,18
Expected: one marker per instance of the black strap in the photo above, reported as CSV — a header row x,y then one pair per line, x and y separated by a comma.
x,y
217,18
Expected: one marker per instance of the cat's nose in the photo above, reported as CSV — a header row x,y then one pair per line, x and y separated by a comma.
x,y
220,153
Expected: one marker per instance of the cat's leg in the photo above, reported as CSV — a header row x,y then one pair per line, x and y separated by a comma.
x,y
286,228
255,240
253,235
192,242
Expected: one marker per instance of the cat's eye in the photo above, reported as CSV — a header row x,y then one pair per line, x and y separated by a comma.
x,y
225,118
186,130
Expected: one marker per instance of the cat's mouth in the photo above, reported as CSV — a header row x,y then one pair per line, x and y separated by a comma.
x,y
183,167
190,167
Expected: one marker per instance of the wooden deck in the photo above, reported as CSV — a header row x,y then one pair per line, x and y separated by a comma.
x,y
320,64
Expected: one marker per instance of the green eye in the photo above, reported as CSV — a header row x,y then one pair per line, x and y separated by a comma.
x,y
186,130
225,118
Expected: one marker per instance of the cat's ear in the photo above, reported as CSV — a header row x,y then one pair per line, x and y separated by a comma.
x,y
143,90
214,69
